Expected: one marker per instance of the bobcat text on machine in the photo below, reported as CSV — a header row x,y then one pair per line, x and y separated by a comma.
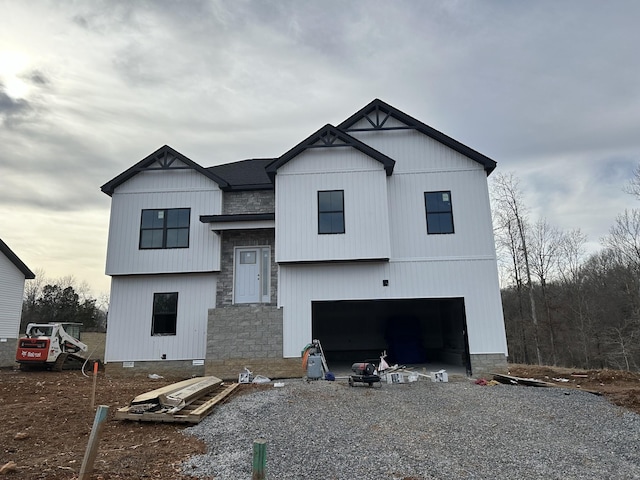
x,y
50,345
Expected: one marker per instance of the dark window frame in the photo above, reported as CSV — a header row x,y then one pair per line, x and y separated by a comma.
x,y
435,213
164,322
331,212
164,229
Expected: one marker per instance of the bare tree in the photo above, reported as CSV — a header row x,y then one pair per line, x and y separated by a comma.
x,y
508,202
572,273
545,247
572,255
633,187
623,345
32,291
624,237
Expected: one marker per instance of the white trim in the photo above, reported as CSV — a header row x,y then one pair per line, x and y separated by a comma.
x,y
242,225
443,259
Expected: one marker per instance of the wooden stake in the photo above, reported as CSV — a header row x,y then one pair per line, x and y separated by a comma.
x,y
259,459
92,448
95,379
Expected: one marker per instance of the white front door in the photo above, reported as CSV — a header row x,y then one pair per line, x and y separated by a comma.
x,y
252,267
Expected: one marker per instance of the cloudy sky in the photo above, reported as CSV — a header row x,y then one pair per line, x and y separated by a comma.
x,y
548,89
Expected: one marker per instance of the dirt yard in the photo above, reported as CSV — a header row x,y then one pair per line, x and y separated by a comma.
x,y
46,419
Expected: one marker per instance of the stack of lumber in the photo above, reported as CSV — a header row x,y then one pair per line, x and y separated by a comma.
x,y
188,401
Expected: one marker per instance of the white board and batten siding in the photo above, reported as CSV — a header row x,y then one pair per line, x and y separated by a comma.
x,y
11,293
456,265
415,152
473,233
159,190
363,181
300,285
131,311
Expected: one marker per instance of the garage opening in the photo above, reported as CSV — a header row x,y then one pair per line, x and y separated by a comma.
x,y
412,331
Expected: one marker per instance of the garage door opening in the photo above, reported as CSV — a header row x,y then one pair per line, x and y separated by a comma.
x,y
412,331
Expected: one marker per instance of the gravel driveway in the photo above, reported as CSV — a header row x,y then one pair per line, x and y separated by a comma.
x,y
421,430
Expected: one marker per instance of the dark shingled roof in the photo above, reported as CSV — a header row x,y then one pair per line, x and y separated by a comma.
x,y
244,174
4,248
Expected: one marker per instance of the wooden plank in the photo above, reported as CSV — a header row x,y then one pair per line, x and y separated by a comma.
x,y
198,408
148,397
204,409
190,392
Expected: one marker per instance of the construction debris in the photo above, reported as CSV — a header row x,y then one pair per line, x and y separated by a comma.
x,y
532,382
511,380
248,377
484,383
188,401
402,374
440,376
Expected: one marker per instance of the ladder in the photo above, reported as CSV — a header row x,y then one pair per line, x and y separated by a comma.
x,y
316,343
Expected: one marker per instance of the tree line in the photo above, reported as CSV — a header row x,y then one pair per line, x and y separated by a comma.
x,y
62,300
562,306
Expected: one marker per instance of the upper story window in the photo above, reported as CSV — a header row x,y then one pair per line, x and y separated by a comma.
x,y
165,313
331,211
439,212
165,228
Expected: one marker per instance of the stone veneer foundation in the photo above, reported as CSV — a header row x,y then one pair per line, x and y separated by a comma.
x,y
169,369
8,353
488,363
248,336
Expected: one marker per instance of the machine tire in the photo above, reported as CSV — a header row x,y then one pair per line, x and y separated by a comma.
x,y
25,367
59,363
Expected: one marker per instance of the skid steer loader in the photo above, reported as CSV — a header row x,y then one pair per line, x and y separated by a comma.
x,y
52,346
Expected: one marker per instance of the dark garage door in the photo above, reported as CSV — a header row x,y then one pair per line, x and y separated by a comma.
x,y
412,331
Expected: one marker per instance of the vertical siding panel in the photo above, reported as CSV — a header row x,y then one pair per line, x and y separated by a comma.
x,y
12,290
302,284
471,215
204,198
365,201
422,266
131,310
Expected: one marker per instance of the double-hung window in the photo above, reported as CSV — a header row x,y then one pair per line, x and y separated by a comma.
x,y
165,228
439,212
331,211
165,313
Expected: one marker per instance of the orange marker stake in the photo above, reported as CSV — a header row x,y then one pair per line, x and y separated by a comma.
x,y
95,379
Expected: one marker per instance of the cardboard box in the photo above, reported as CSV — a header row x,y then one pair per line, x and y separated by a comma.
x,y
440,376
397,377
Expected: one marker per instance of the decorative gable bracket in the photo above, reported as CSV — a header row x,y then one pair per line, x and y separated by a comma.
x,y
330,136
162,159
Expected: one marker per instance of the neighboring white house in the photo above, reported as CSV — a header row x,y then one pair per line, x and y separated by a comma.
x,y
13,273
371,235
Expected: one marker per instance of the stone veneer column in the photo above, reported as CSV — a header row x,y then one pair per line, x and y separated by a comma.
x,y
488,363
249,336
